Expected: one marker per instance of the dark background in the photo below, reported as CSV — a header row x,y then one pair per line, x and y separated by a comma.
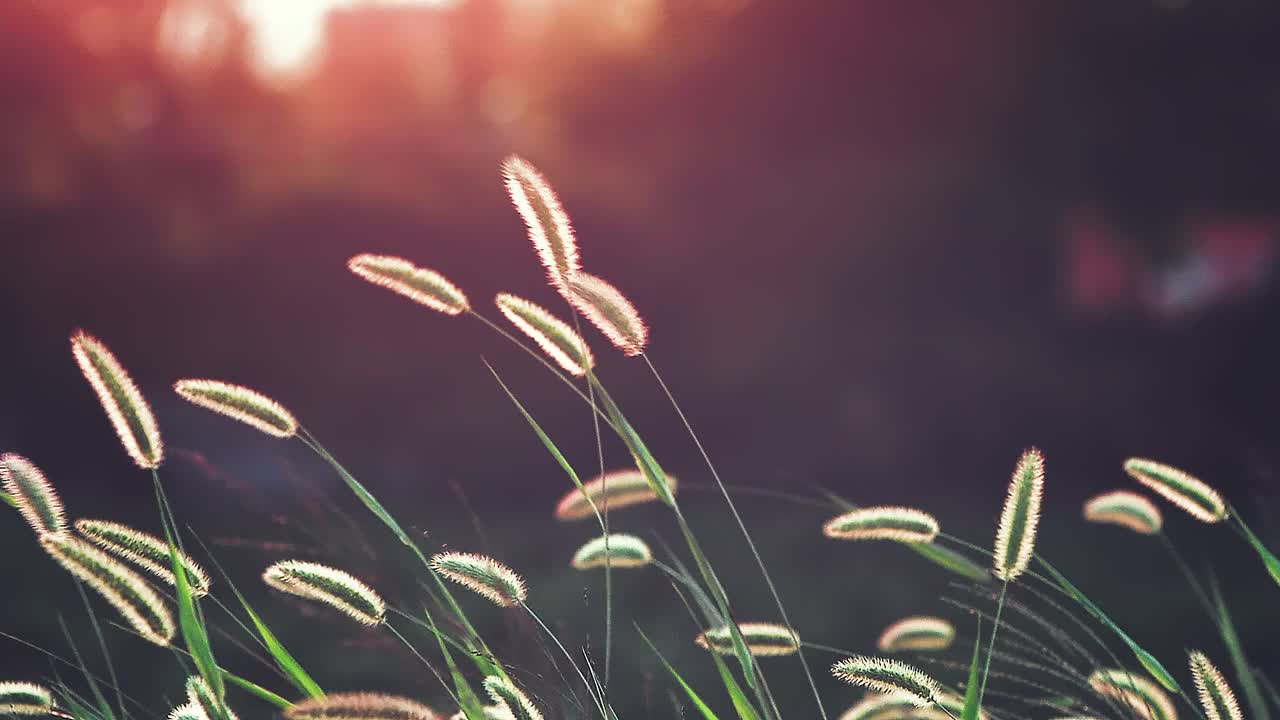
x,y
883,247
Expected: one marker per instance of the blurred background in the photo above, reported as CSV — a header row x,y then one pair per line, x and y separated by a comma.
x,y
883,247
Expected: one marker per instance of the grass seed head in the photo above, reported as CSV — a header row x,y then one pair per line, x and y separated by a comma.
x,y
917,633
333,587
128,411
556,339
1016,535
36,499
1140,696
1126,509
24,698
507,695
239,403
359,706
549,228
421,285
145,551
200,696
483,575
621,551
611,491
892,677
901,524
131,596
1216,696
762,639
1180,488
610,311
188,712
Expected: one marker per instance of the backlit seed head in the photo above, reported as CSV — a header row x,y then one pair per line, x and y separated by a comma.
x,y
888,676
333,587
36,499
239,403
24,698
610,311
145,551
200,696
917,633
421,285
901,524
549,227
131,596
1016,536
556,339
482,574
1180,488
1126,509
359,706
128,411
620,551
505,694
762,639
1144,698
611,491
1216,696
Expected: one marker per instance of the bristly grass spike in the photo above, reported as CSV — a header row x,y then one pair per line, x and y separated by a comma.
x,y
549,228
335,588
1016,535
239,403
36,499
557,339
421,285
900,524
143,550
1180,488
610,311
482,574
888,676
125,407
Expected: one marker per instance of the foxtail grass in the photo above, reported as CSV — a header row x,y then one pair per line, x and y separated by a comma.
x,y
483,575
360,706
615,549
893,677
33,495
199,695
20,699
608,492
559,341
549,228
916,634
505,694
1016,535
1216,696
1180,488
610,311
125,407
900,524
187,711
1126,509
762,639
421,285
239,403
336,588
145,551
1137,694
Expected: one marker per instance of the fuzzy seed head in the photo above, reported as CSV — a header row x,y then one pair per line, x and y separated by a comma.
x,y
620,551
1126,509
901,524
505,694
610,311
762,639
24,698
239,403
145,551
128,411
188,712
892,677
917,633
333,587
556,339
131,596
1016,536
1216,697
36,499
491,712
549,227
421,285
200,697
611,491
483,575
1147,700
1180,488
359,706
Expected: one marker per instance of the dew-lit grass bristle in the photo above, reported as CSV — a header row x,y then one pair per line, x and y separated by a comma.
x,y
919,633
900,524
1138,695
125,407
610,311
239,403
421,285
1016,535
762,639
1180,488
359,706
200,696
621,551
188,711
506,694
335,588
1126,509
1216,696
482,574
23,698
34,495
552,335
119,585
549,228
887,676
145,551
611,491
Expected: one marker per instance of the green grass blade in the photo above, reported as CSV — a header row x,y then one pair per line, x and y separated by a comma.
x,y
703,710
1235,650
971,699
467,698
256,690
8,500
1268,558
740,702
104,707
293,671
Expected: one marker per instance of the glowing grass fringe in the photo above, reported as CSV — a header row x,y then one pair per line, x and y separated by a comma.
x,y
557,340
360,706
610,311
1180,488
917,633
611,491
620,551
483,575
145,551
33,494
24,698
549,227
200,696
239,403
421,285
125,407
1136,693
1216,697
900,524
762,639
335,588
1126,509
888,676
505,694
1016,536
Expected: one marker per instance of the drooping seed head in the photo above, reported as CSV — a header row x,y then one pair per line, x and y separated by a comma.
x,y
549,227
1180,488
1144,698
1016,536
239,403
901,524
556,339
1216,696
333,587
188,712
421,285
36,499
620,551
200,696
762,639
610,311
359,706
483,575
887,676
1126,509
131,596
917,633
504,693
128,411
611,491
145,551
19,699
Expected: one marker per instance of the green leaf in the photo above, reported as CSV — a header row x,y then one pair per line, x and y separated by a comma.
x,y
8,500
257,691
971,699
1269,559
740,702
293,671
194,634
703,710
